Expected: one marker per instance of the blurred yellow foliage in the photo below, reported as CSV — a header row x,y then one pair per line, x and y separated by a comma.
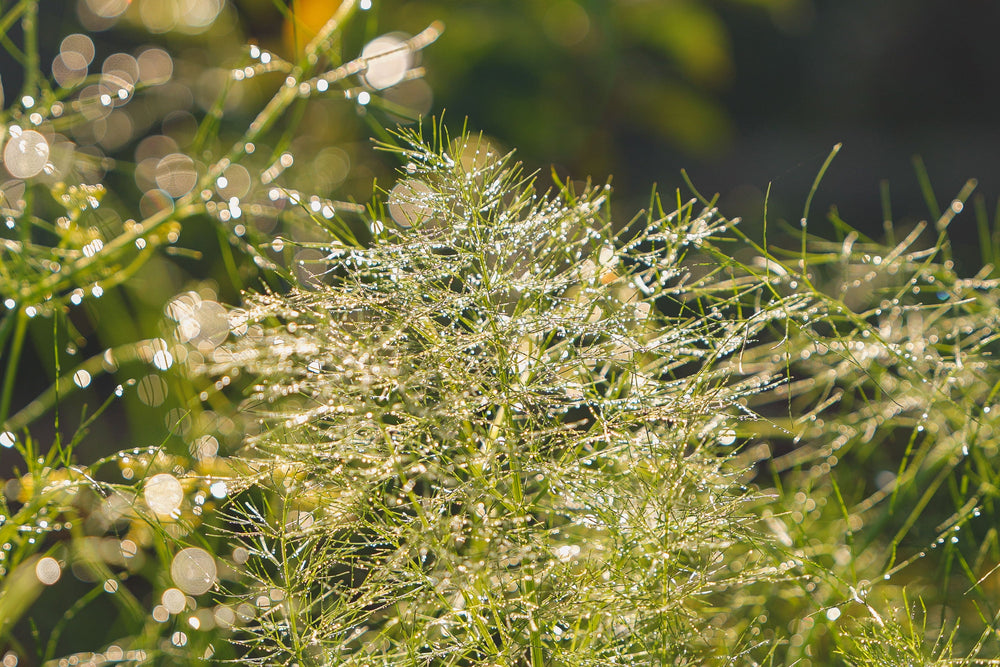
x,y
305,20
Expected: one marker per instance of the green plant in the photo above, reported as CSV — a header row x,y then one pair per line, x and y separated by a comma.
x,y
470,423
501,433
102,215
492,435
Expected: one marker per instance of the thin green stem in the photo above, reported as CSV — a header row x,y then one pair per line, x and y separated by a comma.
x,y
11,17
808,204
12,361
287,576
32,70
6,327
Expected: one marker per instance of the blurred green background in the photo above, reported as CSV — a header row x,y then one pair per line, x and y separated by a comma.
x,y
741,93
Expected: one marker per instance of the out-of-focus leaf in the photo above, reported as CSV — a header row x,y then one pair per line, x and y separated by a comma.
x,y
689,33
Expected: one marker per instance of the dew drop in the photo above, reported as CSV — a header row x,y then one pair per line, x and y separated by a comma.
x,y
240,555
77,51
173,600
7,439
163,494
152,390
26,155
299,520
205,447
175,174
111,586
388,59
163,360
410,202
567,552
128,549
193,570
727,436
832,614
81,379
48,571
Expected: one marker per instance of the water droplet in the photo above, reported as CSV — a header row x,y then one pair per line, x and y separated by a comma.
x,y
193,570
833,613
410,201
727,436
175,174
299,520
7,439
48,570
567,552
111,586
205,447
129,549
152,390
77,51
162,359
155,66
389,59
173,600
163,494
26,155
240,555
81,379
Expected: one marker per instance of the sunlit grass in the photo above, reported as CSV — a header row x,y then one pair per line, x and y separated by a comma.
x,y
469,423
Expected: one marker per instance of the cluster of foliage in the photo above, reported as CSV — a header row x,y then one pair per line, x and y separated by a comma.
x,y
469,423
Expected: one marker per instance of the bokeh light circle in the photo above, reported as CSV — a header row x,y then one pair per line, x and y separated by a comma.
x,y
193,570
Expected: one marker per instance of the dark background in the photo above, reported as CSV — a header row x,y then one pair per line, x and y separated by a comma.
x,y
740,93
891,80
